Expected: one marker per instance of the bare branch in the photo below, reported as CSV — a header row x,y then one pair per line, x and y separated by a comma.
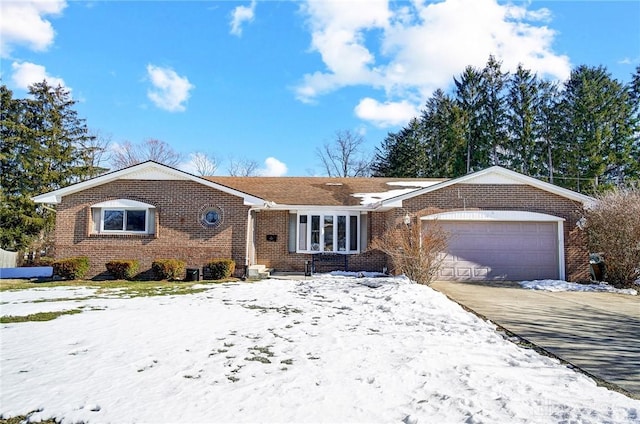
x,y
345,157
243,167
128,154
204,164
414,251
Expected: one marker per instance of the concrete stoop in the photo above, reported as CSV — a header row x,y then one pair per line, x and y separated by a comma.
x,y
258,271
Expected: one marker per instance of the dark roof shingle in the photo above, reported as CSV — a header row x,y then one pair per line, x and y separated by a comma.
x,y
315,191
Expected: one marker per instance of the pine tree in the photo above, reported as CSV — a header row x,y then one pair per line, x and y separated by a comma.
x,y
594,130
547,124
444,135
402,154
469,98
492,143
523,154
42,139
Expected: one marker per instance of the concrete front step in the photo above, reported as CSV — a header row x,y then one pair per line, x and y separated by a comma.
x,y
258,271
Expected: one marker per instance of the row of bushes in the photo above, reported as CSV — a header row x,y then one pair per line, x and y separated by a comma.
x,y
127,269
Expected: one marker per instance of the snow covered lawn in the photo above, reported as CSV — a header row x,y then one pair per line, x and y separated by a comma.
x,y
558,286
328,349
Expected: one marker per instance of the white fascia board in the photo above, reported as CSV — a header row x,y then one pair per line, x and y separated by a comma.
x,y
143,171
534,182
494,175
492,216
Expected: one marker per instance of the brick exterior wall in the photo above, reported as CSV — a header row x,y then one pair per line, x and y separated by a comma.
x,y
515,198
179,232
275,254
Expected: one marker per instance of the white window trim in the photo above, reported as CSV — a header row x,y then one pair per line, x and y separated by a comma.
x,y
124,221
124,205
335,215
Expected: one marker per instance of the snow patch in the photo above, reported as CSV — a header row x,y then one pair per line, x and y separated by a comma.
x,y
333,348
560,286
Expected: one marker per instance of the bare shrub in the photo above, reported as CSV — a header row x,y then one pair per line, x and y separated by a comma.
x,y
613,229
414,251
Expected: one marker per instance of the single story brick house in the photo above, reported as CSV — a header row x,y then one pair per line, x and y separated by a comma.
x,y
503,225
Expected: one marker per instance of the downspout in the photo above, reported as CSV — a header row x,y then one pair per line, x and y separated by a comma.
x,y
248,241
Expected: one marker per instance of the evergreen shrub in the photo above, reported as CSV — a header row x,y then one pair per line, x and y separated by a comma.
x,y
168,269
123,269
219,269
71,268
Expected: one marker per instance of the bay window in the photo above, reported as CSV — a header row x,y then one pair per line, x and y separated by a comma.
x,y
336,232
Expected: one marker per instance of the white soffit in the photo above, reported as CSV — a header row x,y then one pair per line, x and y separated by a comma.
x,y
492,216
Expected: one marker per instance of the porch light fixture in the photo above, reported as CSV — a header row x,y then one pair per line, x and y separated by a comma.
x,y
406,219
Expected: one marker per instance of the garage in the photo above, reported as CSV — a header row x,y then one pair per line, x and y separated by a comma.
x,y
500,245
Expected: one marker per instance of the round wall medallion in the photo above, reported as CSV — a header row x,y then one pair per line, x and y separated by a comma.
x,y
211,216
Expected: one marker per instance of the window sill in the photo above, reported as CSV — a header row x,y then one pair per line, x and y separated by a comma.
x,y
327,252
122,235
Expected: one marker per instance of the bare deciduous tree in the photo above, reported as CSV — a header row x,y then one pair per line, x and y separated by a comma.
x,y
204,164
345,157
414,251
93,153
128,154
613,229
243,167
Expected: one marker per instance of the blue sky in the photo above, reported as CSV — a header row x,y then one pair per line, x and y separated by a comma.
x,y
272,81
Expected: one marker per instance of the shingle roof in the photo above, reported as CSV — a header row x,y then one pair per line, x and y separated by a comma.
x,y
322,191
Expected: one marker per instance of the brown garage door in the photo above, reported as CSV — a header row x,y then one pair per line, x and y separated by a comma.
x,y
481,250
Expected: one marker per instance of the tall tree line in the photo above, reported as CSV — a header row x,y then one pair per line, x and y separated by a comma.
x,y
44,146
583,134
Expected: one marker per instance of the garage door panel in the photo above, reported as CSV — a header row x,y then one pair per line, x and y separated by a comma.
x,y
500,250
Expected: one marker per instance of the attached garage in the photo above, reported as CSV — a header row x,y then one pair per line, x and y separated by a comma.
x,y
501,245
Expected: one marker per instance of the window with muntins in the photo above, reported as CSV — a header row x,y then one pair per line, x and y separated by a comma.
x,y
337,232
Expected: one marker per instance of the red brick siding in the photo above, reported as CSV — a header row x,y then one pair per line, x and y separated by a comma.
x,y
516,198
276,254
179,232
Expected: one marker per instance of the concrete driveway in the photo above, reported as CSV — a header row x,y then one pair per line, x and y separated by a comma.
x,y
597,332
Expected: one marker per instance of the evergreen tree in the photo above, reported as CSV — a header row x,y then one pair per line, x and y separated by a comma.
x,y
469,98
42,139
444,135
547,124
492,143
633,89
402,154
523,154
594,130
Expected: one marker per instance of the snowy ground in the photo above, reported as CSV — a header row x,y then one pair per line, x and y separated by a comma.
x,y
328,349
558,286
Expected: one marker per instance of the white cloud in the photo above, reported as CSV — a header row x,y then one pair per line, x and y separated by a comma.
x,y
411,49
273,168
27,73
170,91
23,23
240,15
386,114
